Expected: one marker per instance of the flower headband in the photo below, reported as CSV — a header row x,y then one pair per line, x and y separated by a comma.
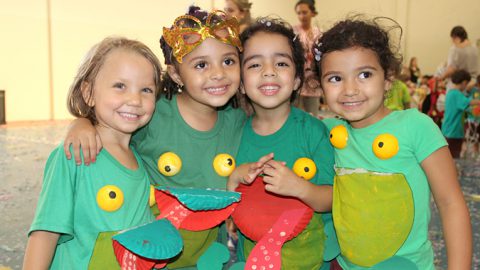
x,y
187,32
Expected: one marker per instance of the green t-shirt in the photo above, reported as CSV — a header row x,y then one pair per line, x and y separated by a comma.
x,y
301,136
68,204
398,96
455,105
381,207
168,132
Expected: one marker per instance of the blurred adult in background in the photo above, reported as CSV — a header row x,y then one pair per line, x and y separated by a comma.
x,y
462,56
240,9
415,73
307,33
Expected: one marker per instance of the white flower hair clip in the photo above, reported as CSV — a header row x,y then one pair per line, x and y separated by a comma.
x,y
267,23
317,53
316,50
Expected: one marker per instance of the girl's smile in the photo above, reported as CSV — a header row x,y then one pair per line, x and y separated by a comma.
x,y
354,84
124,92
268,71
210,74
269,89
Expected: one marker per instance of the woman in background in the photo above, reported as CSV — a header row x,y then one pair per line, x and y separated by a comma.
x,y
310,93
239,9
462,55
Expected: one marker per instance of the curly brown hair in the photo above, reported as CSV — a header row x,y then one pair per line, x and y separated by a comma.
x,y
357,32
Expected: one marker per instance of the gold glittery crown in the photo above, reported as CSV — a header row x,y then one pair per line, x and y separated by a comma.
x,y
187,32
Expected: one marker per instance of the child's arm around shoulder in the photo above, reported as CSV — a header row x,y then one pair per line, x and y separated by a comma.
x,y
81,133
442,177
40,249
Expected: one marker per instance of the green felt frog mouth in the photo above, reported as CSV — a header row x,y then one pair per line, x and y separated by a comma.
x,y
373,214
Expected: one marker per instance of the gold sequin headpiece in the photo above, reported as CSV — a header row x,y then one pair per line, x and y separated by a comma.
x,y
187,32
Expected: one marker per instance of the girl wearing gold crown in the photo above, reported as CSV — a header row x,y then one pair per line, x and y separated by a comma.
x,y
194,123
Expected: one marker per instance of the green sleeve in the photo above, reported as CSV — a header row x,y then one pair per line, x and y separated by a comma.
x,y
425,135
323,155
55,208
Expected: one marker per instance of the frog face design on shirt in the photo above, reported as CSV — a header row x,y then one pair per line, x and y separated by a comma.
x,y
170,164
373,211
112,202
305,168
224,164
110,198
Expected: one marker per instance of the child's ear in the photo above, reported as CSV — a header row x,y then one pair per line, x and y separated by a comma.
x,y
173,73
296,84
87,93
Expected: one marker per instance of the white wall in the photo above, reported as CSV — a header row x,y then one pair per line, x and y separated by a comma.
x,y
24,59
430,22
77,25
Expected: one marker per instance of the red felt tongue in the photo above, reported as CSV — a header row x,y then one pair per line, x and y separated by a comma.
x,y
175,212
259,210
267,252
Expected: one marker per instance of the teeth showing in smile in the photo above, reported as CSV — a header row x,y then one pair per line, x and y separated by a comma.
x,y
216,90
129,116
269,90
352,103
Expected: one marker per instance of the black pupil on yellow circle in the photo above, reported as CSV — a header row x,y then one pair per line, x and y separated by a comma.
x,y
167,168
112,194
331,135
230,161
380,144
306,169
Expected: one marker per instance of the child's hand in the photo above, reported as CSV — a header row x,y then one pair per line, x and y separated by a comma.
x,y
281,180
256,168
246,173
82,133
